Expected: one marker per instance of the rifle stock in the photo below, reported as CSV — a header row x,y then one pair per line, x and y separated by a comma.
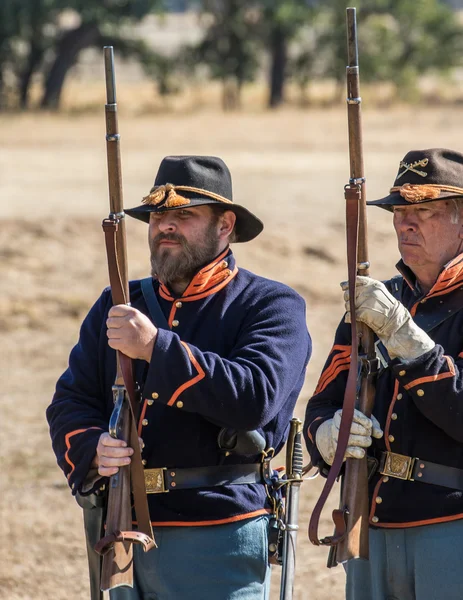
x,y
355,480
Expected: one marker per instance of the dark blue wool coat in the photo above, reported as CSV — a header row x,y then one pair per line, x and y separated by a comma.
x,y
235,353
418,403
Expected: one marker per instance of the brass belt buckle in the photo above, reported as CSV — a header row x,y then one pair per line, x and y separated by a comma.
x,y
397,465
154,481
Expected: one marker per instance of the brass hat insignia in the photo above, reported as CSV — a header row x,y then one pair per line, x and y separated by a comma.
x,y
412,167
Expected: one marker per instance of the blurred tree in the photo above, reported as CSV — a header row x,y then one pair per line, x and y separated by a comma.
x,y
398,42
417,37
33,39
281,21
230,45
98,21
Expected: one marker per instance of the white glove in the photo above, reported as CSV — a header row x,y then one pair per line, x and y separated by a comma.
x,y
361,430
388,318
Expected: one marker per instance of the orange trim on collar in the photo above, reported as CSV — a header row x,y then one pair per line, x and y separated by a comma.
x,y
209,280
450,278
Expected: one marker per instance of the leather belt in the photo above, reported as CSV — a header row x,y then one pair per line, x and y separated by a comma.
x,y
415,469
165,479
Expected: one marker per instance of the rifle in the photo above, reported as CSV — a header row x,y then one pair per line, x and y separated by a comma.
x,y
350,539
116,545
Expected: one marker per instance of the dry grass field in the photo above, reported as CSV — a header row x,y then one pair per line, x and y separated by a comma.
x,y
289,167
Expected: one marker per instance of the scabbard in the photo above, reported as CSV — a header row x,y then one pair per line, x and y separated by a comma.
x,y
294,466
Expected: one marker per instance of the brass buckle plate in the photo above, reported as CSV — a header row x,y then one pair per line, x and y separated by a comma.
x,y
154,481
397,465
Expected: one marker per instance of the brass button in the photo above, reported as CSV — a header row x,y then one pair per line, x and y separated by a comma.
x,y
420,392
385,479
423,301
143,462
375,519
179,404
144,422
173,484
175,323
229,272
399,396
394,416
178,304
378,499
142,444
155,395
402,373
420,474
421,465
150,402
391,438
224,264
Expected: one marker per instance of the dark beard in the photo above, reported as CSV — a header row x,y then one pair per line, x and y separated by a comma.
x,y
182,267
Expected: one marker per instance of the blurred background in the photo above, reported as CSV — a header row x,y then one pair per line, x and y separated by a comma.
x,y
260,84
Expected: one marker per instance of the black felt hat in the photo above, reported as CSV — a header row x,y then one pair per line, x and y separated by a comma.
x,y
192,181
425,176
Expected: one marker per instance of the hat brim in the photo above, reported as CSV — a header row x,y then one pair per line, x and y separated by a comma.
x,y
247,226
395,199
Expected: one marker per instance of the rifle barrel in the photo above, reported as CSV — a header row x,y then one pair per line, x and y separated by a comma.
x,y
352,46
108,52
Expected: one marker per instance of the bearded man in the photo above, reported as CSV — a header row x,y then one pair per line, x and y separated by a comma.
x,y
229,363
414,439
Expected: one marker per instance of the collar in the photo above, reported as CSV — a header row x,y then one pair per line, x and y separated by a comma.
x,y
208,280
448,280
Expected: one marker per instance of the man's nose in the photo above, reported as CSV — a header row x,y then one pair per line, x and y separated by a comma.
x,y
408,223
166,223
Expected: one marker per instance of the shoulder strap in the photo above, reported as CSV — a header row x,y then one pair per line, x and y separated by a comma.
x,y
152,303
394,286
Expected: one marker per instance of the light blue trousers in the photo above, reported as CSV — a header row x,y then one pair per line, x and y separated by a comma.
x,y
416,563
219,562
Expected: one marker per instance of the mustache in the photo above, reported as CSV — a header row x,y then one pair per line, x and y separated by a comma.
x,y
171,237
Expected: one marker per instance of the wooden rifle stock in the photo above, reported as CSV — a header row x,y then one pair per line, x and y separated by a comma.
x,y
355,480
116,546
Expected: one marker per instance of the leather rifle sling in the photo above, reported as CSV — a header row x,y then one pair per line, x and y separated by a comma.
x,y
353,195
140,500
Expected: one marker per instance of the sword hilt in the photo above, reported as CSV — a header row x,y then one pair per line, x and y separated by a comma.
x,y
294,455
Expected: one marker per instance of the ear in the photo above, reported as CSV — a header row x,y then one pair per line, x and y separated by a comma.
x,y
460,232
226,224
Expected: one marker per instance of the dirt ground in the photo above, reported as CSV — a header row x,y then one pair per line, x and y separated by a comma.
x,y
288,167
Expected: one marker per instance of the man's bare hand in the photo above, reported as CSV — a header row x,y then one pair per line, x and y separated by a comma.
x,y
131,332
111,454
